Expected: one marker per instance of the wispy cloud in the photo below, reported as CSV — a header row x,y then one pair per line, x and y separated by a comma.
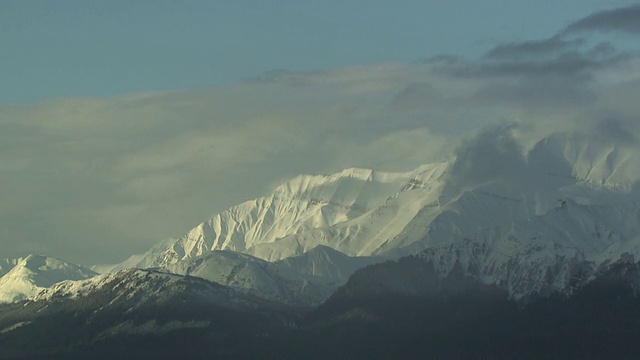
x,y
626,19
534,48
562,71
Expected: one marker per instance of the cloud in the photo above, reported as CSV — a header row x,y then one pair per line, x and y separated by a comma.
x,y
416,95
626,20
534,48
520,59
447,59
95,180
614,130
559,55
539,93
493,154
559,72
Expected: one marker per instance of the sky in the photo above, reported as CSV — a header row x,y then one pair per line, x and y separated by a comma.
x,y
84,48
124,123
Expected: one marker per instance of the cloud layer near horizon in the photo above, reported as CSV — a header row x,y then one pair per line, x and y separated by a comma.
x,y
95,180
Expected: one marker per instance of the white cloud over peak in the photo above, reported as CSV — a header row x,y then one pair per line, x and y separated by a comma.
x,y
95,180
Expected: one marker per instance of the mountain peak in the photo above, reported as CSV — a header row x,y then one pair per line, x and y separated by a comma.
x,y
355,211
36,272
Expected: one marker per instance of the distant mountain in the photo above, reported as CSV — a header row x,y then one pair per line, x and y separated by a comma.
x,y
459,317
307,279
145,313
520,219
485,243
35,273
273,281
326,265
138,313
356,212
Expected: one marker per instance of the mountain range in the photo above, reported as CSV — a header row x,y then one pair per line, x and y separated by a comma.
x,y
498,227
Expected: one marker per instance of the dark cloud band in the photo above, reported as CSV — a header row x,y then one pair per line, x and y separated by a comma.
x,y
623,20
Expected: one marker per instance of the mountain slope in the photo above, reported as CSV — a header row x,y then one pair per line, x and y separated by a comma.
x,y
326,265
34,273
355,212
512,217
305,280
459,317
489,250
138,314
254,276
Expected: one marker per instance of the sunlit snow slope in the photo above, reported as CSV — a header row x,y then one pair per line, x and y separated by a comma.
x,y
355,211
521,219
528,221
34,273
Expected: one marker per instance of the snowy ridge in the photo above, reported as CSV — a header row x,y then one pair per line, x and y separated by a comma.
x,y
139,286
544,232
308,279
354,211
255,276
34,273
565,201
533,268
305,280
326,265
73,289
605,162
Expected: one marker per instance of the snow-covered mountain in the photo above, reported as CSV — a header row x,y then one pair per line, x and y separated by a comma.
x,y
506,215
255,276
143,285
306,279
544,224
138,313
301,242
34,273
355,211
519,219
497,228
326,265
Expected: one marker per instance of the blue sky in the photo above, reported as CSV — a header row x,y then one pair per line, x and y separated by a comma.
x,y
74,48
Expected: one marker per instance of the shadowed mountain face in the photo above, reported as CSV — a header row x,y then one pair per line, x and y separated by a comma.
x,y
138,313
460,318
444,318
